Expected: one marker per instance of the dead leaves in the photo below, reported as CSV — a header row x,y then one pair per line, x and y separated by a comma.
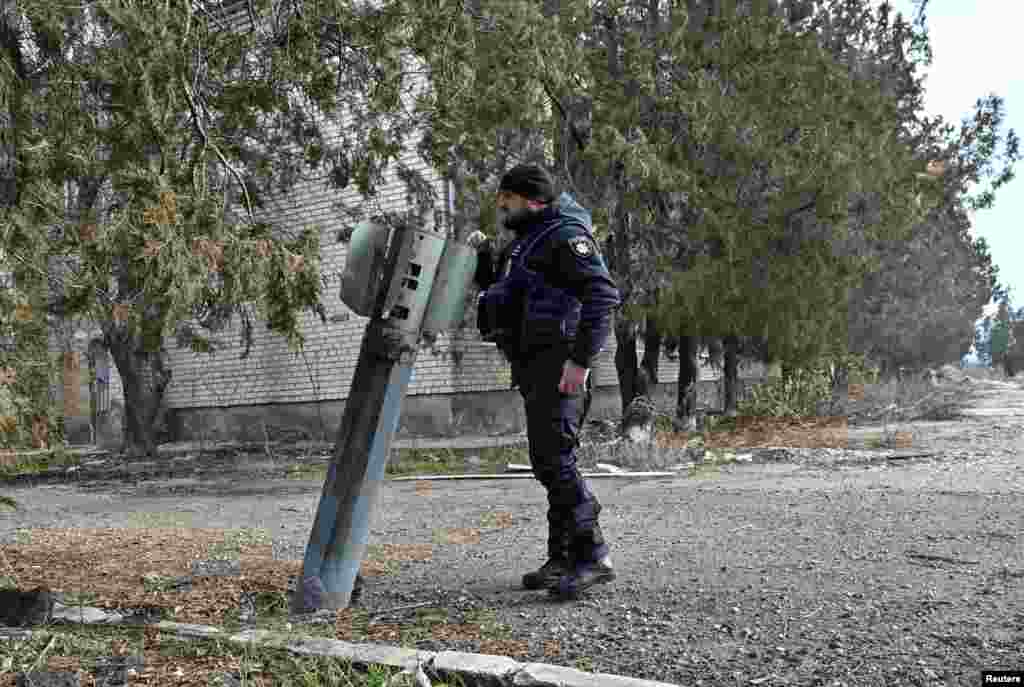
x,y
513,648
458,535
40,432
403,552
152,248
762,432
22,312
165,213
552,649
113,564
68,560
8,375
213,251
119,312
295,262
499,520
109,566
87,233
445,632
936,168
384,632
263,248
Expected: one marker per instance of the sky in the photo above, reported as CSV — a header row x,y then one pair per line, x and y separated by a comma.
x,y
975,45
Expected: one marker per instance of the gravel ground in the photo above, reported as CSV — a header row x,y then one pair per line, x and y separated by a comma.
x,y
812,572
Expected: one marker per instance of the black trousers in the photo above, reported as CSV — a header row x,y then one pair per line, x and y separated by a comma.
x,y
553,424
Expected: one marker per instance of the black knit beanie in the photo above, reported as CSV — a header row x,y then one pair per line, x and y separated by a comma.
x,y
529,181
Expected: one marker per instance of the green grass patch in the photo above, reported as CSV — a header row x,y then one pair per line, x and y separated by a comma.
x,y
407,462
36,463
160,520
78,598
585,663
487,619
412,462
312,473
450,461
720,423
84,646
704,471
237,539
159,583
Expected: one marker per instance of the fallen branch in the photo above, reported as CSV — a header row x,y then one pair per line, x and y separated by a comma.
x,y
42,655
907,456
944,559
385,613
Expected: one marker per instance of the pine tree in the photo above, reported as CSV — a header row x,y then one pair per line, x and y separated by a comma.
x,y
148,140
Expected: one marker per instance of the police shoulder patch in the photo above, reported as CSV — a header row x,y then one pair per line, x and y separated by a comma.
x,y
581,246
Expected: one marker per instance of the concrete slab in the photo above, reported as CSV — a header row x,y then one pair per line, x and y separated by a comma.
x,y
545,675
365,654
190,630
477,669
86,615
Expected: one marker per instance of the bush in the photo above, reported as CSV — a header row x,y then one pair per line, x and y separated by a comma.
x,y
798,396
807,392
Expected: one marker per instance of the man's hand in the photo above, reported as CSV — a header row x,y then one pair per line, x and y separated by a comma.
x,y
477,239
573,378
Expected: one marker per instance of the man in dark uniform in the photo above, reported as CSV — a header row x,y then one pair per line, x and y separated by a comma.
x,y
549,308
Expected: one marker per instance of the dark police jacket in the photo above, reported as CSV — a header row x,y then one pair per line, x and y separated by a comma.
x,y
552,293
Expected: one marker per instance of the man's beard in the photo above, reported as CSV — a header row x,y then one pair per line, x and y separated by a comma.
x,y
519,221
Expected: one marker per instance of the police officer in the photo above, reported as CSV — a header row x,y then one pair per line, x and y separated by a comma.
x,y
549,308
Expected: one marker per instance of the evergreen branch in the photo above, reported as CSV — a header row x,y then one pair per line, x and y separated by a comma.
x,y
565,115
206,141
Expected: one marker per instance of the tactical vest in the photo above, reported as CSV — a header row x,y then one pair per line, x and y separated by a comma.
x,y
521,312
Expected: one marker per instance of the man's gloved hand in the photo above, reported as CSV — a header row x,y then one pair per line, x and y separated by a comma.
x,y
477,239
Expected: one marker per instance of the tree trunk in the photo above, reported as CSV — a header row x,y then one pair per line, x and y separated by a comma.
x,y
626,361
840,389
144,377
652,350
730,375
686,399
787,373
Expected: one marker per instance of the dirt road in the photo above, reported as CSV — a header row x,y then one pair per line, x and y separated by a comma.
x,y
902,573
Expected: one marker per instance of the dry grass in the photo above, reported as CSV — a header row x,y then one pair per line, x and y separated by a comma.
x,y
134,568
122,568
884,403
156,659
761,432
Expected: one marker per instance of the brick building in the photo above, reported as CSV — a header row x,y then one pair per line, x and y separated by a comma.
x,y
460,385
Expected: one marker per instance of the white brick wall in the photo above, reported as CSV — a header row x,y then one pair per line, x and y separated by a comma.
x,y
324,369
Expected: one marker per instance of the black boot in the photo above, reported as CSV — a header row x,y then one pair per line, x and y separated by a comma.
x,y
591,565
558,563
